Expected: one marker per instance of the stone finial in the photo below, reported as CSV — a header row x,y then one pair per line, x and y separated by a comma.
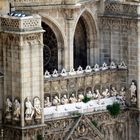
x,y
63,72
47,74
96,67
80,70
122,65
113,65
104,66
88,69
55,73
72,72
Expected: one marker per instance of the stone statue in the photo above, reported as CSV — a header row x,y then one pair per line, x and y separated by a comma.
x,y
80,97
113,91
47,102
106,93
37,108
121,97
133,99
64,100
133,89
8,109
122,91
96,94
89,94
16,112
73,99
56,101
29,109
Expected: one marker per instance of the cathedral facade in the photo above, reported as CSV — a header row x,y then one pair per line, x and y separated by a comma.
x,y
62,63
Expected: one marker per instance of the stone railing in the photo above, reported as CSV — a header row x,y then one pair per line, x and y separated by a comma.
x,y
115,8
15,23
82,83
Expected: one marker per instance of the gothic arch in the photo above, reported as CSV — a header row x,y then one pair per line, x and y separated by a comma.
x,y
86,19
59,39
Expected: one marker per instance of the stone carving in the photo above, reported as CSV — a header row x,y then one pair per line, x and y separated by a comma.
x,y
113,91
96,94
89,94
72,72
80,70
72,98
55,73
47,102
121,96
106,93
47,74
56,101
16,112
104,66
88,69
96,67
8,110
122,65
63,72
113,65
133,90
29,109
80,97
64,100
37,108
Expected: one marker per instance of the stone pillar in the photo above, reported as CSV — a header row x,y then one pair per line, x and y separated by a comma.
x,y
138,59
69,50
22,43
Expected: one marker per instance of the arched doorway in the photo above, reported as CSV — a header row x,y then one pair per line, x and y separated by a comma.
x,y
50,51
80,44
86,50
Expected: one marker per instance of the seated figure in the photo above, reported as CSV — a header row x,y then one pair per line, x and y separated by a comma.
x,y
96,94
80,97
64,100
89,94
47,102
56,101
113,91
106,93
73,99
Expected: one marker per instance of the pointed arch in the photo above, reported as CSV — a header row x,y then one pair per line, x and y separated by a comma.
x,y
90,53
59,42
